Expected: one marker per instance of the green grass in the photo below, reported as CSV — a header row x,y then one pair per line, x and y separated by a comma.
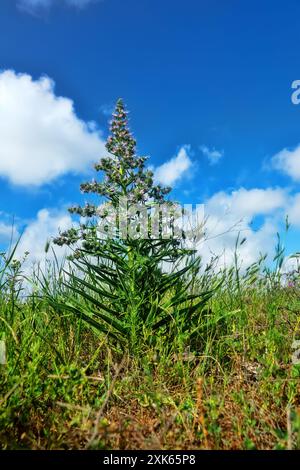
x,y
69,385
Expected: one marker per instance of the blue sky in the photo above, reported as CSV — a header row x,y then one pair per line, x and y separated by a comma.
x,y
208,86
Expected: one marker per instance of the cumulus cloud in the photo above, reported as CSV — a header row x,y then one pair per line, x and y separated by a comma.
x,y
170,172
33,6
247,203
231,214
213,155
34,236
6,231
294,210
291,264
227,214
41,136
41,230
288,161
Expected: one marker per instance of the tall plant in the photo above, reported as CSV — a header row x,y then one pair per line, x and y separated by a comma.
x,y
129,286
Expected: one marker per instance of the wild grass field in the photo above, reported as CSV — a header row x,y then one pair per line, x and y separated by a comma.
x,y
66,387
108,350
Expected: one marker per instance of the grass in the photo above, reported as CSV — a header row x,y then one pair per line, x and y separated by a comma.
x,y
67,386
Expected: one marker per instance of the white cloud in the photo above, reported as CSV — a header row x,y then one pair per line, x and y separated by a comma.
x,y
34,238
40,230
294,210
291,264
6,231
33,6
172,171
41,136
229,214
247,203
213,155
222,226
288,161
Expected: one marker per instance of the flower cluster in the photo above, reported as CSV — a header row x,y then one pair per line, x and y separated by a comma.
x,y
125,175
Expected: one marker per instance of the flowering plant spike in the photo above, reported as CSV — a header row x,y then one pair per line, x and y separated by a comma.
x,y
125,176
